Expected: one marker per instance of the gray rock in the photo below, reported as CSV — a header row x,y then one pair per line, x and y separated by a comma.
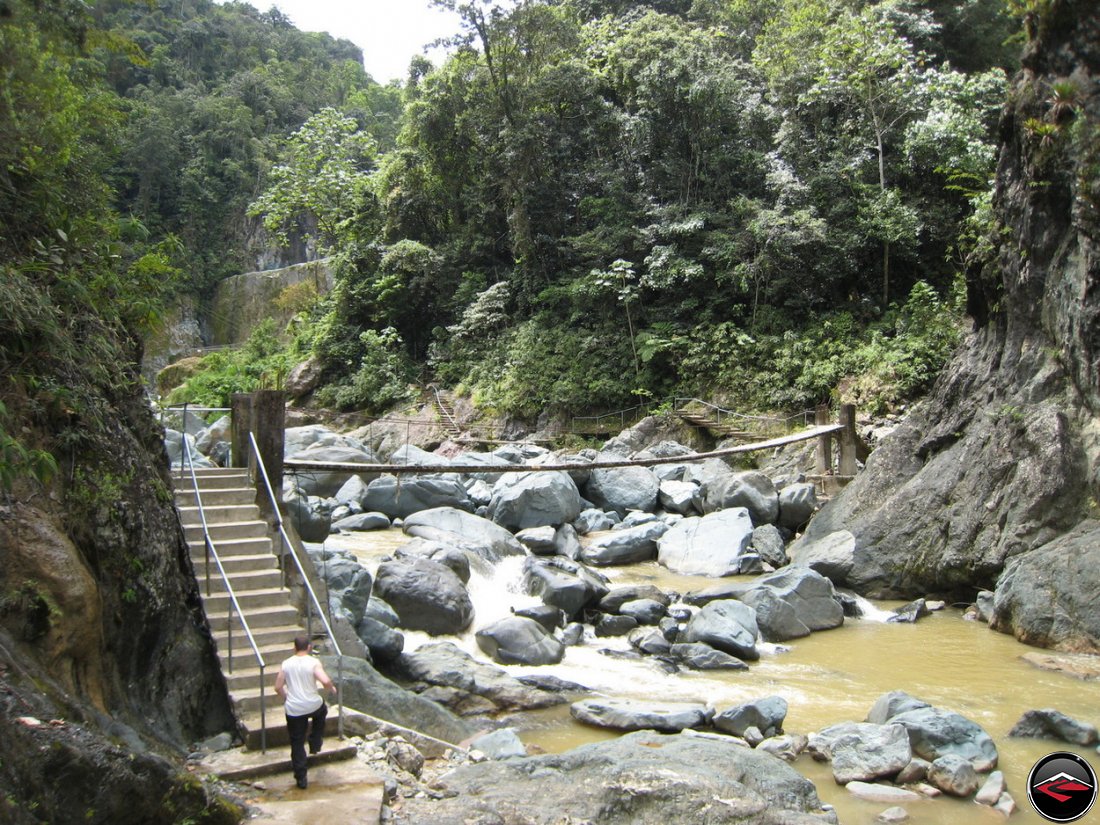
x,y
699,656
551,618
863,752
984,603
411,454
767,542
934,732
953,775
711,545
1047,597
522,500
465,531
766,715
216,433
368,691
678,496
517,640
361,522
832,555
749,489
797,504
444,665
627,546
619,596
891,704
480,493
1053,724
991,790
644,611
614,625
215,744
484,462
450,557
649,641
909,613
500,744
915,771
354,490
539,540
573,634
311,523
729,626
642,778
874,792
327,483
1006,805
378,610
401,498
893,816
563,583
622,489
623,714
426,595
594,521
787,747
384,643
349,583
566,542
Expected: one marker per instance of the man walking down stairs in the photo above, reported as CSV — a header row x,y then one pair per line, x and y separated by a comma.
x,y
242,541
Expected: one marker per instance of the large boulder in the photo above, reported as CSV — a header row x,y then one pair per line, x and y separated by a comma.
x,y
619,596
484,464
401,497
443,666
311,521
767,542
384,643
368,691
622,489
348,582
449,525
426,595
766,715
625,714
678,496
750,489
861,751
1048,597
711,545
791,597
797,504
326,483
517,640
563,583
522,500
628,546
832,554
934,732
729,626
641,778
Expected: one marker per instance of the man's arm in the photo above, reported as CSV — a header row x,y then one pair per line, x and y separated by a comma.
x,y
280,685
322,677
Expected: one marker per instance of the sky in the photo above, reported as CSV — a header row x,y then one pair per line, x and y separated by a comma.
x,y
389,32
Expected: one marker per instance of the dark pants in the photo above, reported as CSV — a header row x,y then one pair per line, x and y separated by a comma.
x,y
297,726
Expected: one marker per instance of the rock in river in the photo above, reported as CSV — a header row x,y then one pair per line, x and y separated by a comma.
x,y
642,778
623,714
517,640
729,626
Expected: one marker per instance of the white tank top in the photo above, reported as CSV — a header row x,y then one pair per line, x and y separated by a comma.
x,y
302,697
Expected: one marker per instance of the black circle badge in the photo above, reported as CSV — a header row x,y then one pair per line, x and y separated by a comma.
x,y
1061,787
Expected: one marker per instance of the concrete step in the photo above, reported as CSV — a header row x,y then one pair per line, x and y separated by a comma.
x,y
235,563
216,496
243,582
259,618
246,765
247,703
226,531
275,643
219,515
249,600
245,546
248,678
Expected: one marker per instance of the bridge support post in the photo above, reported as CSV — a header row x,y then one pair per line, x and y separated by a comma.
x,y
240,412
849,441
268,422
823,462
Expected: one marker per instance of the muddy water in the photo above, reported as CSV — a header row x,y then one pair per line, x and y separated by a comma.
x,y
829,677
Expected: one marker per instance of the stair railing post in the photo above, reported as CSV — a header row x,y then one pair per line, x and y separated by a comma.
x,y
263,709
340,694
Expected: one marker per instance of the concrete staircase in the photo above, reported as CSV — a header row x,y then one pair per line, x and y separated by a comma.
x,y
446,415
706,422
243,543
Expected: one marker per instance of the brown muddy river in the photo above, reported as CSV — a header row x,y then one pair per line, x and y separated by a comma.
x,y
829,677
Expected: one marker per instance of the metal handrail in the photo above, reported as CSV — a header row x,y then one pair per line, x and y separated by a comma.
x,y
235,606
313,600
681,403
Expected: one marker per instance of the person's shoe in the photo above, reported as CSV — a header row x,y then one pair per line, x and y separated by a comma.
x,y
302,783
314,749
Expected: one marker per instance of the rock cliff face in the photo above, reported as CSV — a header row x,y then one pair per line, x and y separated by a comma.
x,y
102,636
993,481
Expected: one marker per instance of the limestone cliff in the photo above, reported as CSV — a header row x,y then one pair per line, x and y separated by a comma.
x,y
994,481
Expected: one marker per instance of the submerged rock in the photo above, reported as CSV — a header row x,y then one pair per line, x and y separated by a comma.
x,y
517,640
1053,724
624,714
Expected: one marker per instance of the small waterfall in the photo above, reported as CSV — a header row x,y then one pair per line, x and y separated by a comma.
x,y
868,611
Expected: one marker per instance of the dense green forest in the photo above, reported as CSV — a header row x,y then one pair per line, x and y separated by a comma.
x,y
588,204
